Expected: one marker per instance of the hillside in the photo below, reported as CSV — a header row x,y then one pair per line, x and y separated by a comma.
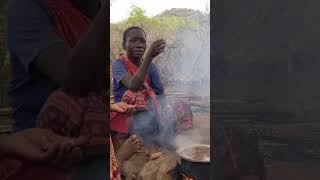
x,y
183,13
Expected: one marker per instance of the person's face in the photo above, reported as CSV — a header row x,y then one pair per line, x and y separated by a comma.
x,y
135,44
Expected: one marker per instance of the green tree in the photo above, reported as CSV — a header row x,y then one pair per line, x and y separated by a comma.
x,y
137,16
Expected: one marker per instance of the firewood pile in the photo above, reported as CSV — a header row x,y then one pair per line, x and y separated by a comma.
x,y
160,163
154,163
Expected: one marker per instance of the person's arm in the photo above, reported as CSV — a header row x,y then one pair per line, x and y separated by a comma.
x,y
135,82
42,146
122,107
78,69
157,84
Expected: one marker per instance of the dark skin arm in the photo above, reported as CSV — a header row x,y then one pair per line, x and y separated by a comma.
x,y
135,82
79,69
42,146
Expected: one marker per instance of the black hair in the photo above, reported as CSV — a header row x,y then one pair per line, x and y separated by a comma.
x,y
125,33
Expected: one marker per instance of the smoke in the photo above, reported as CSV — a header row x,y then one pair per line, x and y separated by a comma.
x,y
192,69
187,65
146,125
188,138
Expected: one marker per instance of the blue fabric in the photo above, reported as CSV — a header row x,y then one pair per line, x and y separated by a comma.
x,y
119,71
30,31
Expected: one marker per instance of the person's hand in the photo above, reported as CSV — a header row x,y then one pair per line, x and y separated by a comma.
x,y
123,107
43,146
68,151
156,48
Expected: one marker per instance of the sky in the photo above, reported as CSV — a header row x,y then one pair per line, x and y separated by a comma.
x,y
120,9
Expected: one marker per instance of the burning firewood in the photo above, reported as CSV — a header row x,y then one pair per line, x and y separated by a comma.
x,y
155,155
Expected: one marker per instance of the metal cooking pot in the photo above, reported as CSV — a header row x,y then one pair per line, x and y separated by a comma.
x,y
193,169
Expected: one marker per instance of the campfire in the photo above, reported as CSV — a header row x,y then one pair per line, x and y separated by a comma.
x,y
187,157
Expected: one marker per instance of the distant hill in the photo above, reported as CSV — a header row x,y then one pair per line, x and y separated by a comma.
x,y
185,13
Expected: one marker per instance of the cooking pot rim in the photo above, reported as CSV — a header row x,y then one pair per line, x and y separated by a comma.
x,y
179,151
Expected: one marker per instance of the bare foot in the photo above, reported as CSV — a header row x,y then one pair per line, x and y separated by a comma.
x,y
129,147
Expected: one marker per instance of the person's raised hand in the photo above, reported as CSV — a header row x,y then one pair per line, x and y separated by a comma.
x,y
156,48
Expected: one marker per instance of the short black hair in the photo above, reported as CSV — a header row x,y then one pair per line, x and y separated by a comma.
x,y
125,33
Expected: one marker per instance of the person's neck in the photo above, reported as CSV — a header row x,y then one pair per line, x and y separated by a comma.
x,y
136,61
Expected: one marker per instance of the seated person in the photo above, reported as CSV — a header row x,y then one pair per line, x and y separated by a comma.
x,y
51,44
72,116
137,81
35,153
